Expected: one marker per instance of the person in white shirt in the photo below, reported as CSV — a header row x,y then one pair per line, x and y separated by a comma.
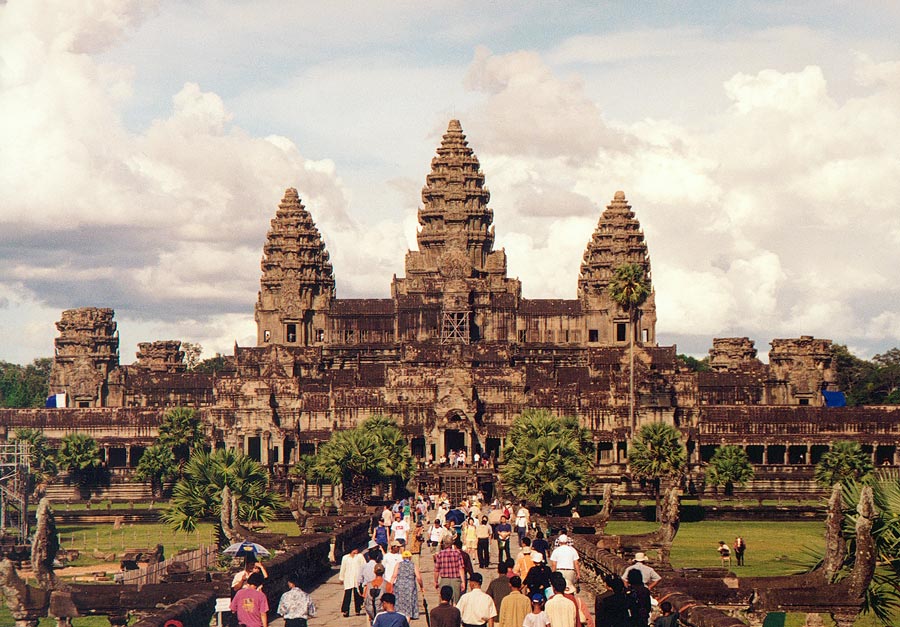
x,y
522,518
565,560
399,528
651,577
391,560
352,565
476,607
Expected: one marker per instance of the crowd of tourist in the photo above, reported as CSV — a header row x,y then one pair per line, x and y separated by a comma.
x,y
535,588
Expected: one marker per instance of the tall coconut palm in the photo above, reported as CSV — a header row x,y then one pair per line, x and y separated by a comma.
x,y
657,453
546,458
198,494
844,461
630,288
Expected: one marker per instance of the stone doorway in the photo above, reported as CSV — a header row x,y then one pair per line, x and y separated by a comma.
x,y
454,440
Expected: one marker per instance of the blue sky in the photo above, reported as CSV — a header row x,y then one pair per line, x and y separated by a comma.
x,y
144,148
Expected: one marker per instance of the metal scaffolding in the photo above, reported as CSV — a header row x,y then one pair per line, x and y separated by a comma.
x,y
15,469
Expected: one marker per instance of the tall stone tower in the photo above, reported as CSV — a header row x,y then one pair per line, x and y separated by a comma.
x,y
618,239
297,283
456,289
87,351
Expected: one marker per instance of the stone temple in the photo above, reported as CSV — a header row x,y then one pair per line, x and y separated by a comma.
x,y
454,355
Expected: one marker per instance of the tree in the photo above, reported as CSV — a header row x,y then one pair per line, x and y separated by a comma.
x,y
197,496
192,352
181,431
25,386
546,459
657,453
80,456
694,364
157,465
372,453
630,288
728,467
844,461
212,365
305,470
41,459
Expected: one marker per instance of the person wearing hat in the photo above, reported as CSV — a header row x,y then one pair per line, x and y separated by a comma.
x,y
407,582
388,616
537,617
523,559
565,560
515,606
476,608
538,579
650,576
584,615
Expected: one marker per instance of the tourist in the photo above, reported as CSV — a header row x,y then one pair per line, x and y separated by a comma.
x,y
374,556
669,616
250,566
435,534
406,583
565,560
523,517
538,579
739,547
638,599
724,552
387,516
651,577
295,606
352,565
503,531
515,606
250,605
445,615
451,458
611,607
391,559
583,612
467,561
500,586
575,513
414,545
524,561
374,590
476,608
380,533
399,528
470,537
483,543
540,544
388,616
449,569
559,609
476,459
537,617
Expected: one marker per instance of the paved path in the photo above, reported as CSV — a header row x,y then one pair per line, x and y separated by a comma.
x,y
329,594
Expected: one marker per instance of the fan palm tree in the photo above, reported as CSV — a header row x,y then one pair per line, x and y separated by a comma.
x,y
157,465
198,494
546,459
728,467
630,288
357,459
657,453
80,456
181,431
43,464
844,461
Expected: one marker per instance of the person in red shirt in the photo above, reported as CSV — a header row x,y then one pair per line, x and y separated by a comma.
x,y
250,605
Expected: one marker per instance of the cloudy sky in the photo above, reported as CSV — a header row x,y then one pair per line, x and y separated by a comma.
x,y
144,148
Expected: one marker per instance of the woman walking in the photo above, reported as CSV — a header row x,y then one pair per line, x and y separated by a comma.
x,y
373,592
407,583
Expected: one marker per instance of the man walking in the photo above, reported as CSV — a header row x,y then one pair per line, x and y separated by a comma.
x,y
476,608
503,531
515,606
352,565
250,604
388,616
449,569
295,605
445,615
565,560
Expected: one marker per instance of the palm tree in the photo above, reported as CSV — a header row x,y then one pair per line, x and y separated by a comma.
x,y
630,288
198,494
305,471
356,459
181,431
157,465
546,459
844,461
80,456
657,453
43,464
729,466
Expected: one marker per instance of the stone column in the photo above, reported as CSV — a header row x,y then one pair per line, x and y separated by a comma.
x,y
807,454
896,455
128,456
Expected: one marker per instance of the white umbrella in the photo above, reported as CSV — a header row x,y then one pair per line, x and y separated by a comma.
x,y
246,548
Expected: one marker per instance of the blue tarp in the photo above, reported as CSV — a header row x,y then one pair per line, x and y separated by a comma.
x,y
834,399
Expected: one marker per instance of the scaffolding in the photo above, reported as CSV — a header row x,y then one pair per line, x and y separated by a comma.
x,y
15,470
455,327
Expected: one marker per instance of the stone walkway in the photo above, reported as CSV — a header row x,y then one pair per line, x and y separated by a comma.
x,y
329,594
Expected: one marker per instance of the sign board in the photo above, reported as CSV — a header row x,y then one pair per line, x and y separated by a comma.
x,y
223,604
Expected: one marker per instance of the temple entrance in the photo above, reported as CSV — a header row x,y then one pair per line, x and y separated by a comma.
x,y
454,440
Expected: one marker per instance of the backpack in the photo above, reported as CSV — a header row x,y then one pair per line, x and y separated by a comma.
x,y
638,610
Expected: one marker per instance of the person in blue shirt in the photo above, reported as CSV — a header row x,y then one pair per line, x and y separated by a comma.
x,y
388,617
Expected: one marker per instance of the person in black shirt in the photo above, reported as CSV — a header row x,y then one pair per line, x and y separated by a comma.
x,y
445,615
538,578
611,607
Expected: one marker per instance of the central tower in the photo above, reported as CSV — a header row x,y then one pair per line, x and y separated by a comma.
x,y
456,289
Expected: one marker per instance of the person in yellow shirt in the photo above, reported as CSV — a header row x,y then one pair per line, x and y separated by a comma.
x,y
515,605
